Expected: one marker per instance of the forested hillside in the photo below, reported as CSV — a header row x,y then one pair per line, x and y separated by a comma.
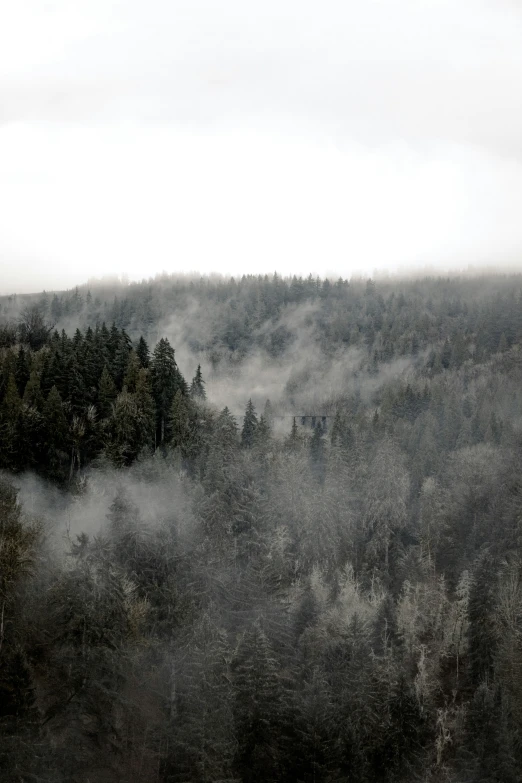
x,y
220,592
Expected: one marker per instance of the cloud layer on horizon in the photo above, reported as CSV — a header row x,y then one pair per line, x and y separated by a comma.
x,y
232,137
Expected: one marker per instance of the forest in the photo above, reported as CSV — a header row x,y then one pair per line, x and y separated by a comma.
x,y
262,529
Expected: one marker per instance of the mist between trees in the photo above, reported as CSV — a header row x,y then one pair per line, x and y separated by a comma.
x,y
196,586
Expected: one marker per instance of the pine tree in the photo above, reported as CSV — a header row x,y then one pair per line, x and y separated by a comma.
x,y
482,629
33,396
8,367
145,403
54,372
268,413
77,341
258,708
126,430
166,380
197,387
12,440
342,437
22,371
100,352
17,541
250,424
294,440
106,393
312,757
180,424
262,435
143,353
113,343
124,531
225,435
76,392
121,358
56,430
214,508
11,404
201,714
33,422
132,372
487,738
19,716
90,367
97,617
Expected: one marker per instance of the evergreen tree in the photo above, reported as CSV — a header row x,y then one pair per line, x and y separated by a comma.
x,y
22,371
250,424
482,629
262,435
56,430
100,353
132,372
12,440
258,708
293,442
106,393
55,373
113,343
33,393
215,506
197,387
143,353
491,757
225,435
124,532
121,358
76,392
181,424
125,430
77,342
268,414
145,403
201,714
19,716
166,380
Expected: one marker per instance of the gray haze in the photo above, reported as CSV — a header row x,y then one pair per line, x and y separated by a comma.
x,y
333,138
303,379
155,488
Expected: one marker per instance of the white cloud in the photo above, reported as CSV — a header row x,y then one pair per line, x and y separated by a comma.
x,y
250,136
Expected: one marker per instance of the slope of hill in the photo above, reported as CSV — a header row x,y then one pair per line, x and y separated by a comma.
x,y
196,586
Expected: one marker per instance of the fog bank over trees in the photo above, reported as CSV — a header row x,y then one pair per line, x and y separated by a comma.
x,y
262,529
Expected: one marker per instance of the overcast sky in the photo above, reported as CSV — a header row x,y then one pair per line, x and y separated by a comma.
x,y
240,136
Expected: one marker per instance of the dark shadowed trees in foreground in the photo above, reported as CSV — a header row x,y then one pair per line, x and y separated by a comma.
x,y
327,604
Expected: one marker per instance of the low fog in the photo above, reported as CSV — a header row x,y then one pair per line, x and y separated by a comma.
x,y
154,488
198,585
260,392
302,379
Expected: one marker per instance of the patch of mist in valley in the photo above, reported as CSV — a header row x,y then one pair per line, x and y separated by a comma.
x,y
298,376
285,358
154,486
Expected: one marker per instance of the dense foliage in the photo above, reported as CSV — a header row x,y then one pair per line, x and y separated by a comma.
x,y
336,603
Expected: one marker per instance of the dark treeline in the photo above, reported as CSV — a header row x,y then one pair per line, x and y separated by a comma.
x,y
75,398
328,604
392,318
